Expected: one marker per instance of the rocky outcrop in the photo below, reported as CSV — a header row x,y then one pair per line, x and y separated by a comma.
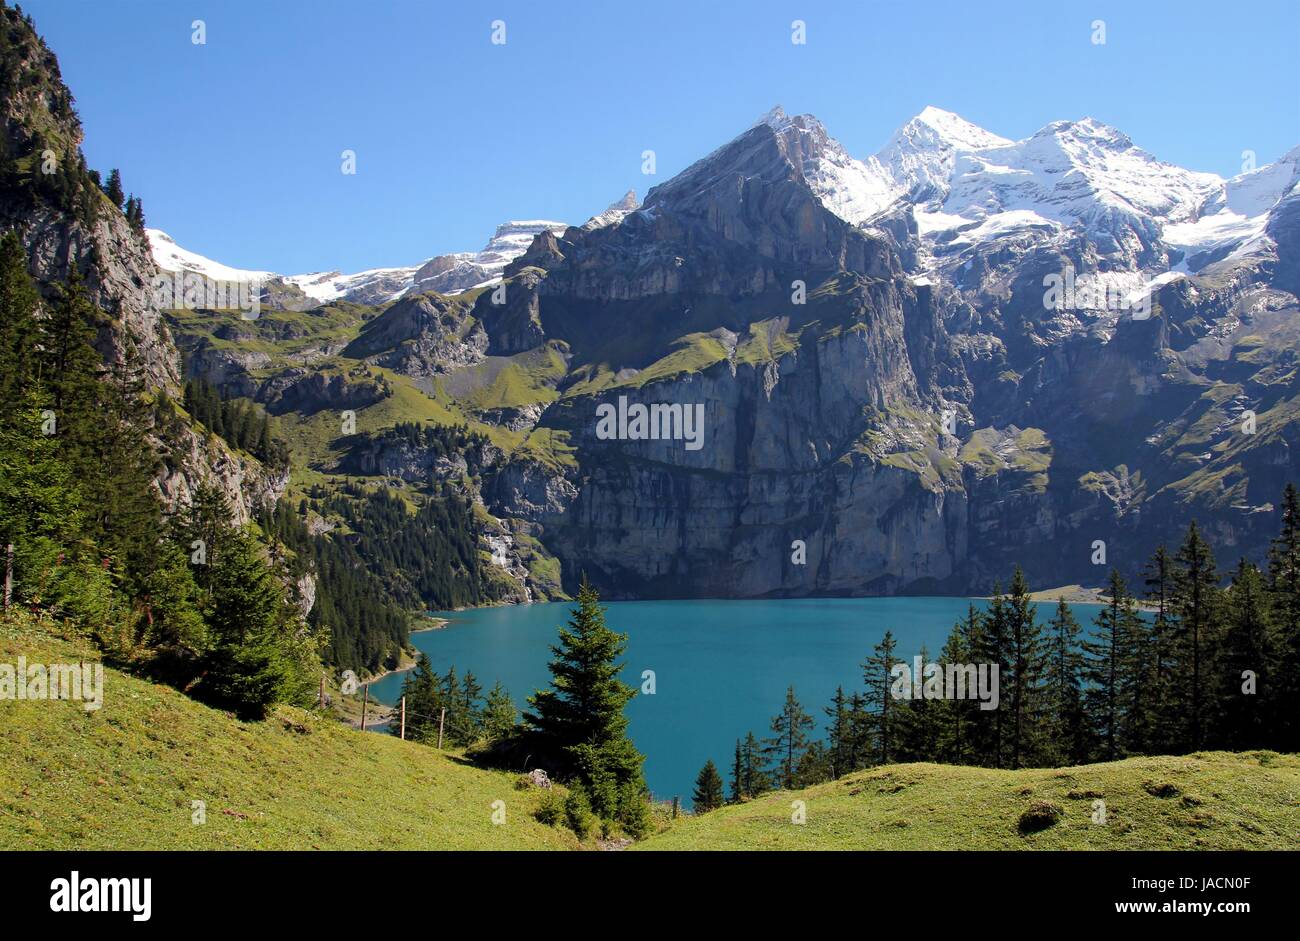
x,y
78,229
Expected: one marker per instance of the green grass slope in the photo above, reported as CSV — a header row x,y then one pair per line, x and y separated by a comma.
x,y
124,777
1212,800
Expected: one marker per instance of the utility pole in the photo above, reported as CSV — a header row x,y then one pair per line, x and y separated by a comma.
x,y
364,703
442,717
403,718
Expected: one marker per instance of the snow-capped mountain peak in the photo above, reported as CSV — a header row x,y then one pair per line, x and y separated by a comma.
x,y
1071,174
447,274
171,257
946,129
616,212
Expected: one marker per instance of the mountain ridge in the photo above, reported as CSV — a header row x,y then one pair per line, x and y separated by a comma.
x,y
955,173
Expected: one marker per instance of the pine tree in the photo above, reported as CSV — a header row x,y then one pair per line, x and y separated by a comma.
x,y
19,302
1068,723
754,779
204,530
708,789
1164,721
920,718
840,735
814,765
422,691
1026,661
586,700
1247,668
993,647
69,367
789,740
250,665
113,188
580,721
1284,591
1109,662
1194,603
737,776
456,727
500,717
954,719
880,707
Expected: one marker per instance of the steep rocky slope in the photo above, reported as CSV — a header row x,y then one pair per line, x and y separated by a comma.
x,y
890,400
51,200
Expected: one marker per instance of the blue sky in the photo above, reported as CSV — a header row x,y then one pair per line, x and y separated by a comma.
x,y
235,145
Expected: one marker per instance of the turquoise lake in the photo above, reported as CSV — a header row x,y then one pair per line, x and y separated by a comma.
x,y
721,667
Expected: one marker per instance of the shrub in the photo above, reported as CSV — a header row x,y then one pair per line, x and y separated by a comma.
x,y
634,810
577,813
1040,816
551,810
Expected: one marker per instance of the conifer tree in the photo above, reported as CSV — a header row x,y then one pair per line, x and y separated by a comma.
x,y
953,733
737,776
113,188
1284,592
19,303
500,717
1026,659
993,647
473,693
1194,603
1247,674
203,530
920,718
789,740
1109,662
839,735
422,689
814,765
754,779
708,789
580,721
1068,724
1158,577
452,698
586,700
250,665
880,706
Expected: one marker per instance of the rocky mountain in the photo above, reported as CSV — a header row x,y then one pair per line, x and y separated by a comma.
x,y
788,371
67,224
921,417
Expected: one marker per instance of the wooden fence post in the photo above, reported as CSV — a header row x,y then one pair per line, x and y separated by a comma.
x,y
364,703
403,718
442,717
9,574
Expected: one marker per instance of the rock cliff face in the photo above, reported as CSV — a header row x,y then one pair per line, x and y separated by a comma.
x,y
891,398
68,225
915,425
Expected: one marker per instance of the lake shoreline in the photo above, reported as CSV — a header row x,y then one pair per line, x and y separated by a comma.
x,y
408,662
